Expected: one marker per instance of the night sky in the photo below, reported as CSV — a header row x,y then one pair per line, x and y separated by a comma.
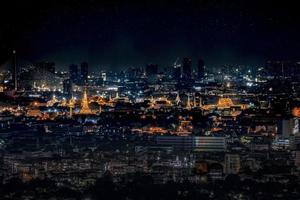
x,y
117,34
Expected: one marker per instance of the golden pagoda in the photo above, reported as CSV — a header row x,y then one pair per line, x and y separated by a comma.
x,y
85,110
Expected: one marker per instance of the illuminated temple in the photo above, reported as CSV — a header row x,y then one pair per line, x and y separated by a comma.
x,y
224,103
85,110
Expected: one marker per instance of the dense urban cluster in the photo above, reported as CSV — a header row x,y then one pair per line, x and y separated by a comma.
x,y
184,131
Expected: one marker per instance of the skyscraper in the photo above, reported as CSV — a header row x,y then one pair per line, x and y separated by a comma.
x,y
185,80
200,74
186,68
73,71
176,71
84,73
67,88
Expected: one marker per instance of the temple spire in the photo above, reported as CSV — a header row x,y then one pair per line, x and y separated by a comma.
x,y
85,105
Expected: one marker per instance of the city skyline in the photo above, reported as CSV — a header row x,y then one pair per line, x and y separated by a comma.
x,y
149,100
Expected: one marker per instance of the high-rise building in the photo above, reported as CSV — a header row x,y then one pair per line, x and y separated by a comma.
x,y
84,73
232,163
186,68
176,72
67,88
73,71
200,69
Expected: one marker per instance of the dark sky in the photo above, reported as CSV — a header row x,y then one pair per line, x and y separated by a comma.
x,y
117,34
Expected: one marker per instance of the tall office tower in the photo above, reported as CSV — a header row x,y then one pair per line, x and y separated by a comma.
x,y
67,88
73,71
15,70
151,69
176,72
232,163
200,69
186,68
84,73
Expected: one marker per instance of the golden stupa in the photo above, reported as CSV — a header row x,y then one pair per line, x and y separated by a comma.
x,y
85,110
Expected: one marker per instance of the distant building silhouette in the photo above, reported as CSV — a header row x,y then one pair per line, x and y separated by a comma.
x,y
186,68
84,73
73,71
200,72
67,88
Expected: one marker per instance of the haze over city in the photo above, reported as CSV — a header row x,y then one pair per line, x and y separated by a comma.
x,y
116,34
